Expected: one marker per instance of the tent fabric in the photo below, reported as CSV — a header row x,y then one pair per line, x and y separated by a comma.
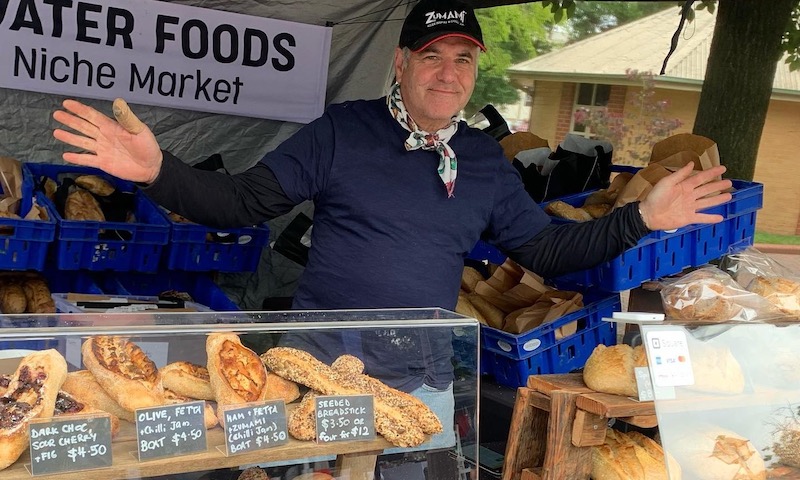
x,y
360,67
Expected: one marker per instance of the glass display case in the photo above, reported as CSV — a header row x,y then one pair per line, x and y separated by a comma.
x,y
727,398
203,395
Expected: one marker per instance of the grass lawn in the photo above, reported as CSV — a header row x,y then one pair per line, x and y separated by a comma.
x,y
777,239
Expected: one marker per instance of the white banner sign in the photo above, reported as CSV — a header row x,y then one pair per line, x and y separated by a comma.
x,y
159,53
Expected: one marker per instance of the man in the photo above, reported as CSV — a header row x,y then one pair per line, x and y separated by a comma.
x,y
402,192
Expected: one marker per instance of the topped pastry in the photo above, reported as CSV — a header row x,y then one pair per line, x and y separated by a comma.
x,y
124,371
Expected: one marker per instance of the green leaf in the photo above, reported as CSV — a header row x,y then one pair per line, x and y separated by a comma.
x,y
558,15
571,9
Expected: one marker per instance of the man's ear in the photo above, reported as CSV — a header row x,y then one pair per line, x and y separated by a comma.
x,y
398,63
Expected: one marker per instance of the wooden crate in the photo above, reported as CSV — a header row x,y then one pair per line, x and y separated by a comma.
x,y
556,421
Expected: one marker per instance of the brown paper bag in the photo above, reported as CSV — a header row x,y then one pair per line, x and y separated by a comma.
x,y
667,156
526,319
564,306
678,150
519,141
11,185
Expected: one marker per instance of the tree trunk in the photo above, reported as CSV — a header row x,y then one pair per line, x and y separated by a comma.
x,y
741,67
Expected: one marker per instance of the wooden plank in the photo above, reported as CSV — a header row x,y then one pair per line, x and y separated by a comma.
x,y
531,474
563,460
642,421
539,400
559,381
614,406
527,436
588,429
127,465
357,466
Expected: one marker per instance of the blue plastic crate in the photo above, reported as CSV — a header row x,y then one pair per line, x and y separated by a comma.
x,y
201,288
484,251
665,253
24,243
80,244
510,358
197,248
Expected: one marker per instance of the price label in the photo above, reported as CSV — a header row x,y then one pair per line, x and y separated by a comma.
x,y
255,427
345,418
70,444
171,430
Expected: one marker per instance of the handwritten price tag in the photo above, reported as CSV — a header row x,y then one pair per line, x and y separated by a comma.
x,y
255,427
70,444
171,430
345,418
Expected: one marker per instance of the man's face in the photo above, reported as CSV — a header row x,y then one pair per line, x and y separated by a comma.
x,y
436,82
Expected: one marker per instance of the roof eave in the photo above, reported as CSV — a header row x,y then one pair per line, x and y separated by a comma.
x,y
523,79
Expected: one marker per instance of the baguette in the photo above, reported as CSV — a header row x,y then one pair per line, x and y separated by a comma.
x,y
188,380
31,393
236,373
407,403
301,367
124,371
302,423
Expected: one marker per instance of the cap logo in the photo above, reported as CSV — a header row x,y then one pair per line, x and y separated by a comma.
x,y
440,18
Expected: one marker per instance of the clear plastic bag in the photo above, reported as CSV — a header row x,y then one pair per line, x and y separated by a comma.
x,y
762,275
710,295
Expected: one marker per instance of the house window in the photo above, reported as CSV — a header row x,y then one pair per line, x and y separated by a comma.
x,y
588,96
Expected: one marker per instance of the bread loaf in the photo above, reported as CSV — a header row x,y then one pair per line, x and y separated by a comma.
x,y
784,293
31,393
37,295
188,380
236,373
124,371
84,387
12,296
709,452
95,184
611,369
631,456
209,417
66,404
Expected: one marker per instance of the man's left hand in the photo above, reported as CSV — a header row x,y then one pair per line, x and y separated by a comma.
x,y
675,200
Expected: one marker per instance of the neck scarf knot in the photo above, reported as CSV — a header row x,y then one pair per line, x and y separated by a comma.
x,y
436,141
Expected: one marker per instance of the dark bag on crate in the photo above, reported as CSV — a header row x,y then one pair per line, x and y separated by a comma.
x,y
578,164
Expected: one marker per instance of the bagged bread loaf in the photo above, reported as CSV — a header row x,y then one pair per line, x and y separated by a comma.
x,y
708,452
710,295
611,369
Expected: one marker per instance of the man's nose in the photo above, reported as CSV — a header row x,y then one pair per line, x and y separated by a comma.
x,y
447,72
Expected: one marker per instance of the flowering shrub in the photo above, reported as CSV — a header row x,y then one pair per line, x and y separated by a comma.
x,y
634,131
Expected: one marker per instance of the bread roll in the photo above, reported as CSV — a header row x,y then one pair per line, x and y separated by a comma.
x,y
611,369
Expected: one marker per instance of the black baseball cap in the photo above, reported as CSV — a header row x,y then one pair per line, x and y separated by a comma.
x,y
432,20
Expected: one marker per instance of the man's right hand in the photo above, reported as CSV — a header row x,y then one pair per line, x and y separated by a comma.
x,y
107,145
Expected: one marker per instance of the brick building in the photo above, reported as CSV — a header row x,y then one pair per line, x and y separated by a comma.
x,y
592,73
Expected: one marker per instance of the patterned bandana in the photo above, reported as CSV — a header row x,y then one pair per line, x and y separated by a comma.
x,y
427,141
